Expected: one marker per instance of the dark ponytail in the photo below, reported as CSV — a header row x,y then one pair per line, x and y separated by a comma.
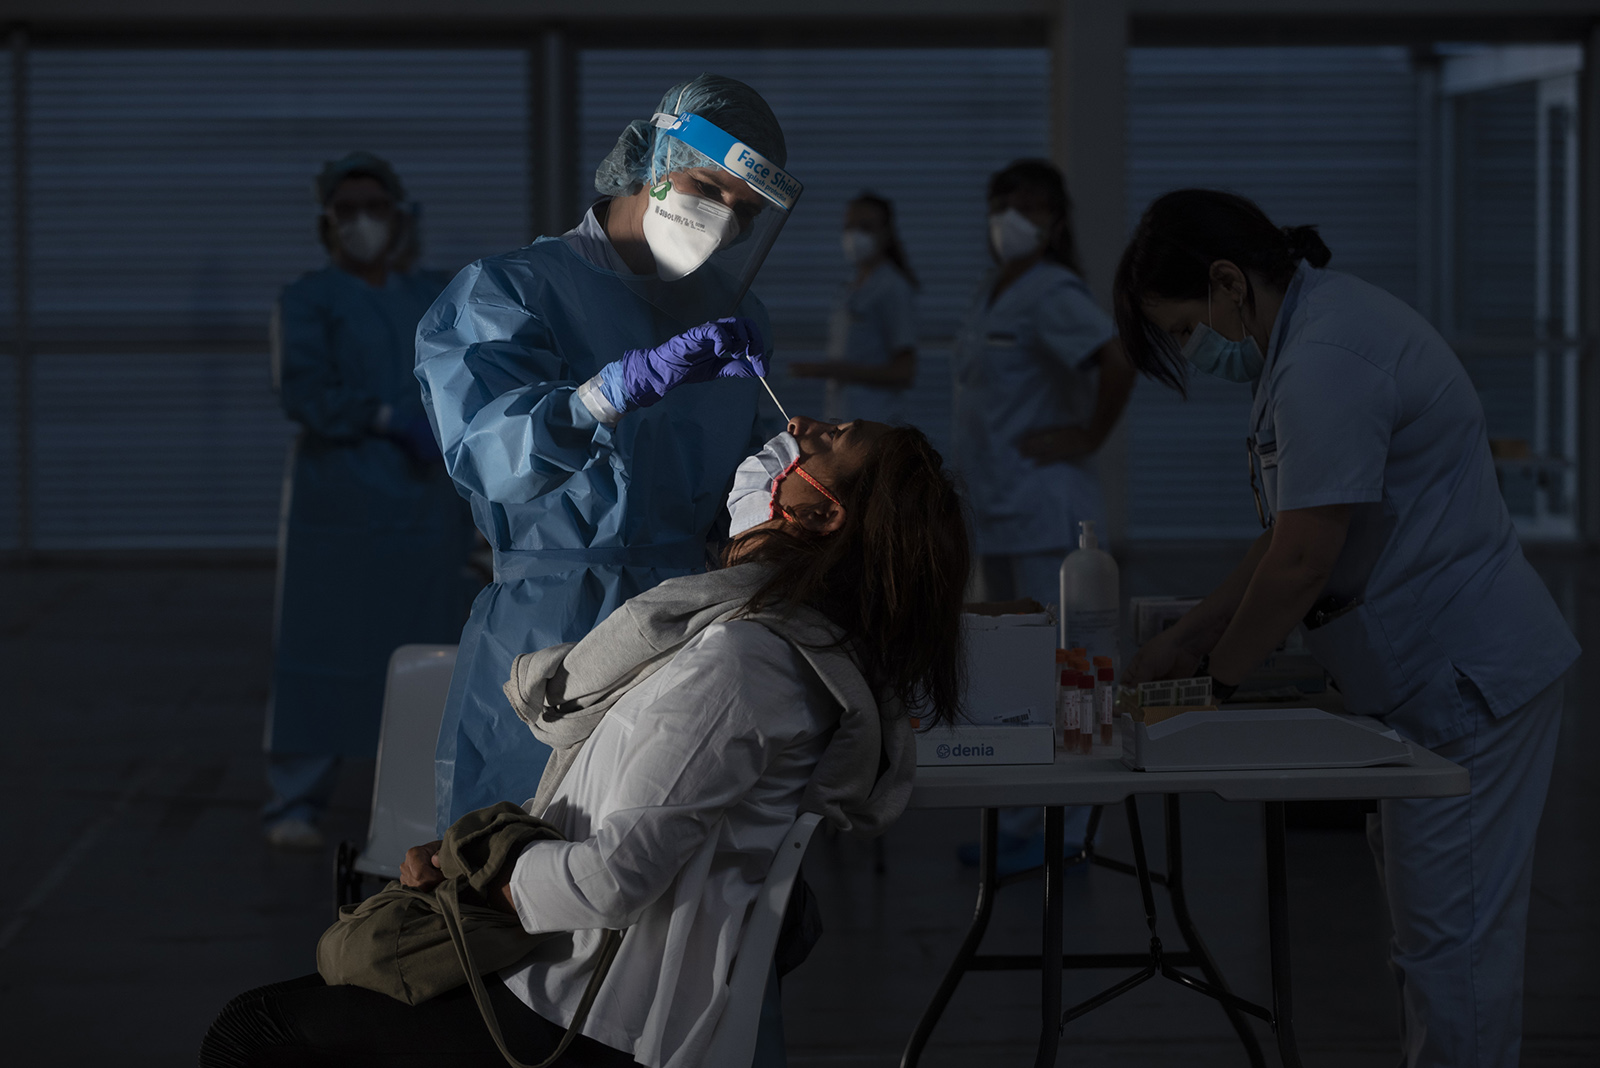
x,y
1169,258
1043,177
1306,244
893,250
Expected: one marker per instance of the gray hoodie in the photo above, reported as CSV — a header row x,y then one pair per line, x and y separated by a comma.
x,y
861,783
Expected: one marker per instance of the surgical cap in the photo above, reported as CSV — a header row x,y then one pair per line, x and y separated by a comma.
x,y
363,164
643,150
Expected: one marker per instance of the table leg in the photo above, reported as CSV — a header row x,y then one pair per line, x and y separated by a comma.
x,y
988,837
1141,867
1278,933
1191,937
1050,950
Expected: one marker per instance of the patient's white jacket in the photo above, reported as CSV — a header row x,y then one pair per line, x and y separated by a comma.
x,y
674,810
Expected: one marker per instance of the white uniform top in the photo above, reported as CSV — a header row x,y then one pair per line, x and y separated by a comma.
x,y
870,323
1361,402
1023,363
674,808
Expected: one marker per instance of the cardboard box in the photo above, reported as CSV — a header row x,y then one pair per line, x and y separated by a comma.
x,y
947,746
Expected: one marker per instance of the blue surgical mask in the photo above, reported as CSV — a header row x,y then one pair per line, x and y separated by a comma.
x,y
1234,361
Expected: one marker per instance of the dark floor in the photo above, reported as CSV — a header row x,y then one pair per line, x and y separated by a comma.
x,y
140,896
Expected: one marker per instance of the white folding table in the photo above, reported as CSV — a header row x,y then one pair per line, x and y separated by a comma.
x,y
1101,779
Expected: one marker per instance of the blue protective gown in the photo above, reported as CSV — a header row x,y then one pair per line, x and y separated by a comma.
x,y
372,543
581,516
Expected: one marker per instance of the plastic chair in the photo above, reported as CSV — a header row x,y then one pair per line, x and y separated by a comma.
x,y
733,1044
402,788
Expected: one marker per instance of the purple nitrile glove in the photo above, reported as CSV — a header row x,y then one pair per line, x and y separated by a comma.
x,y
725,348
415,436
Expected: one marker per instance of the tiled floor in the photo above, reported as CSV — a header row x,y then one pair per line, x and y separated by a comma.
x,y
139,896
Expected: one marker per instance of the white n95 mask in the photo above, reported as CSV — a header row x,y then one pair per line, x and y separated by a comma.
x,y
683,230
750,500
1013,235
365,238
860,246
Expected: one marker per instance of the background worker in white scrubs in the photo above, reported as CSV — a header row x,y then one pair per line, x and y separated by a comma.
x,y
872,333
1387,535
1040,381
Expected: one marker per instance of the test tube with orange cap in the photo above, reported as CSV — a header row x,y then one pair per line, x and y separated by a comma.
x,y
1061,695
1086,712
1105,695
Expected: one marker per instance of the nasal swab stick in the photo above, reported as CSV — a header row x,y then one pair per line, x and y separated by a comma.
x,y
774,397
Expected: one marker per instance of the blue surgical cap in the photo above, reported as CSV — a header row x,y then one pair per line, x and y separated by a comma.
x,y
364,164
643,150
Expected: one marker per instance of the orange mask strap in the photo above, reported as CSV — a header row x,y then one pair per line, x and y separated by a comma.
x,y
777,509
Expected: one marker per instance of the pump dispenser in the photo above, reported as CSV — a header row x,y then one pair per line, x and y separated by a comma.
x,y
1091,600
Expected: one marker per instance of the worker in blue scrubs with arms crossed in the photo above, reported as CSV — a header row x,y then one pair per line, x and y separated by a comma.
x,y
593,394
872,331
1040,381
1388,537
374,539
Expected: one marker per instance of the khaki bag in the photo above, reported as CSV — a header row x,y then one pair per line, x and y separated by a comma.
x,y
416,944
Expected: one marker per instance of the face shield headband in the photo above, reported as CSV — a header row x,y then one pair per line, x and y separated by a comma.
x,y
743,257
734,156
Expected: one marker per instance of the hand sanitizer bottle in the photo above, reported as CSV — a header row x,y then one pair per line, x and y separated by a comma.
x,y
1091,601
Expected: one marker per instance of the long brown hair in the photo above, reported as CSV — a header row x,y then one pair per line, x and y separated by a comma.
x,y
892,578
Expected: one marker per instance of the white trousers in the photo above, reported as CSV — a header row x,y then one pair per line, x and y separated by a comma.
x,y
1457,872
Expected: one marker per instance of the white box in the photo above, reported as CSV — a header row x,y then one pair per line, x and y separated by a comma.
x,y
1011,668
946,746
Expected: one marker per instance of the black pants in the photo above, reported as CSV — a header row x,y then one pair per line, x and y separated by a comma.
x,y
306,1023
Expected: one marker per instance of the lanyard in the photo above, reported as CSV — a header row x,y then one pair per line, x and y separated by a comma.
x,y
1280,331
1258,410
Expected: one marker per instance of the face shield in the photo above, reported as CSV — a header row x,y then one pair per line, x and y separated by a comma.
x,y
687,211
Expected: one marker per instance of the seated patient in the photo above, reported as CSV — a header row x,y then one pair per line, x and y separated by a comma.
x,y
689,729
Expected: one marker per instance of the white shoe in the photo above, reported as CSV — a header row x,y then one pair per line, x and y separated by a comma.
x,y
294,834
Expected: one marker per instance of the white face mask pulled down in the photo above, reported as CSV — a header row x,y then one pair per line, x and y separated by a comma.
x,y
750,500
683,230
1013,235
365,238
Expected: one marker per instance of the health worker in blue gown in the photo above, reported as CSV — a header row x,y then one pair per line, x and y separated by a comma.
x,y
1387,538
594,393
374,539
